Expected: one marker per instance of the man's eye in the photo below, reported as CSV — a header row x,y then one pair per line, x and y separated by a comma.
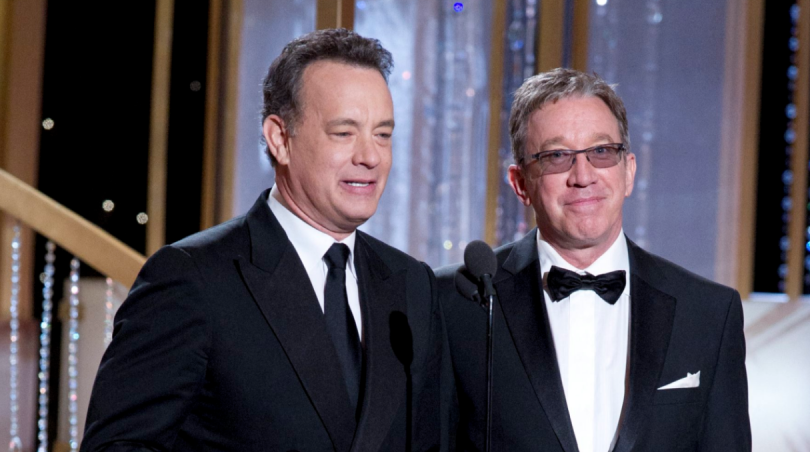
x,y
600,150
342,134
386,136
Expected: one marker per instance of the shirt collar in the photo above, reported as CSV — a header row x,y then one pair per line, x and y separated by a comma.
x,y
615,258
310,243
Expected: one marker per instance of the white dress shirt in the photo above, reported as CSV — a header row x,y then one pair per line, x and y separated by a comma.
x,y
591,340
311,245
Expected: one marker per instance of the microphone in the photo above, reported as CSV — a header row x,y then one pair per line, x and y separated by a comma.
x,y
481,263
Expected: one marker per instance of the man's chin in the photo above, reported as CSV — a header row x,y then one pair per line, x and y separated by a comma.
x,y
353,220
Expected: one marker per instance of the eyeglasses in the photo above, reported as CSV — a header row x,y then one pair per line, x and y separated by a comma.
x,y
560,161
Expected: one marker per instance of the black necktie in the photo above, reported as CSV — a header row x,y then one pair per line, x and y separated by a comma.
x,y
562,283
339,319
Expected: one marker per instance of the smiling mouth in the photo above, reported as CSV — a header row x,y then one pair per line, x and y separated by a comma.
x,y
359,184
584,201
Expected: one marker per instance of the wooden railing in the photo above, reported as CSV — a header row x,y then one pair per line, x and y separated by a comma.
x,y
83,239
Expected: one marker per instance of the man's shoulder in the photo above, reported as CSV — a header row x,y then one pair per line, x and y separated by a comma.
x,y
393,257
672,278
226,239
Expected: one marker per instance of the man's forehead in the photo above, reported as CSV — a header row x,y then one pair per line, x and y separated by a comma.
x,y
581,117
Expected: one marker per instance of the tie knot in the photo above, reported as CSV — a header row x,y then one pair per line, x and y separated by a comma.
x,y
337,256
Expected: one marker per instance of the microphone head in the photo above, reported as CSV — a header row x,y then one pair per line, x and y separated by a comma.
x,y
466,287
479,259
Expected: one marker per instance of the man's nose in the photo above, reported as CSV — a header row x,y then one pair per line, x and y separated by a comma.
x,y
366,152
582,173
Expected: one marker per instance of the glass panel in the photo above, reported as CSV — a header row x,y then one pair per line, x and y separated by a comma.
x,y
434,202
267,26
518,65
668,61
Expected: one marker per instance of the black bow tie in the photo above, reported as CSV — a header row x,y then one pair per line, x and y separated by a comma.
x,y
562,283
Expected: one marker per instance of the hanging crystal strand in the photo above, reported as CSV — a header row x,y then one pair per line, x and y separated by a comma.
x,y
45,348
15,445
73,339
109,313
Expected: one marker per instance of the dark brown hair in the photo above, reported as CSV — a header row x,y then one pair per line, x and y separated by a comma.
x,y
282,84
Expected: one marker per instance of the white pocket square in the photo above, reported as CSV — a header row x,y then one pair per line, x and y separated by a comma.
x,y
689,381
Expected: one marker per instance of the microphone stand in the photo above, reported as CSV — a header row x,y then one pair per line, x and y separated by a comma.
x,y
489,299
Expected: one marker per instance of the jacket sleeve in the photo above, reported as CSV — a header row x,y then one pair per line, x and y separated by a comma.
x,y
726,424
156,363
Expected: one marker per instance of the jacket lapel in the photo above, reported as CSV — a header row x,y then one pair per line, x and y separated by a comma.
x,y
280,286
652,313
383,301
521,299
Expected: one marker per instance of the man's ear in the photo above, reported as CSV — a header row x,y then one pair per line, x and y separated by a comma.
x,y
277,136
518,184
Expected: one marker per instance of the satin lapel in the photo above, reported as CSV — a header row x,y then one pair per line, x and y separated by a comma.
x,y
280,286
651,315
383,300
522,303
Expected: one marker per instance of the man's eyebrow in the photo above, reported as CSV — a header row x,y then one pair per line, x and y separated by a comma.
x,y
353,123
343,122
556,141
386,123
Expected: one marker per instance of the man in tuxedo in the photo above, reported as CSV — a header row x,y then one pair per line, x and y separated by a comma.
x,y
598,345
286,329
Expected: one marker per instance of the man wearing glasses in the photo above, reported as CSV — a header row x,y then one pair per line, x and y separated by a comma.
x,y
599,345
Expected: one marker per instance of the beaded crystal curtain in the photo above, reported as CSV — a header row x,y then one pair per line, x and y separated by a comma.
x,y
434,202
668,61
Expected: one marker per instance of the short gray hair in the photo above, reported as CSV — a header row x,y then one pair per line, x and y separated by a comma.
x,y
551,86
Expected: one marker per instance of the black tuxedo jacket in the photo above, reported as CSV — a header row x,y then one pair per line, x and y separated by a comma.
x,y
679,323
222,346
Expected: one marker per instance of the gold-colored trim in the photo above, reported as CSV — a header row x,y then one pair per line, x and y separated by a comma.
x,y
494,170
5,70
210,141
227,168
579,40
159,126
78,236
550,35
794,282
334,14
22,32
748,148
737,150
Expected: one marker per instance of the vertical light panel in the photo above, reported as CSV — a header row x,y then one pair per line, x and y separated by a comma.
x,y
579,38
738,148
798,216
334,14
212,94
494,169
159,126
550,36
226,173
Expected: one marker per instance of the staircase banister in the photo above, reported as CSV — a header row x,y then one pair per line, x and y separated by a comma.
x,y
83,239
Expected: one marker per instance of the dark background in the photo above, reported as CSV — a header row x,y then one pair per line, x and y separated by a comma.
x,y
97,82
